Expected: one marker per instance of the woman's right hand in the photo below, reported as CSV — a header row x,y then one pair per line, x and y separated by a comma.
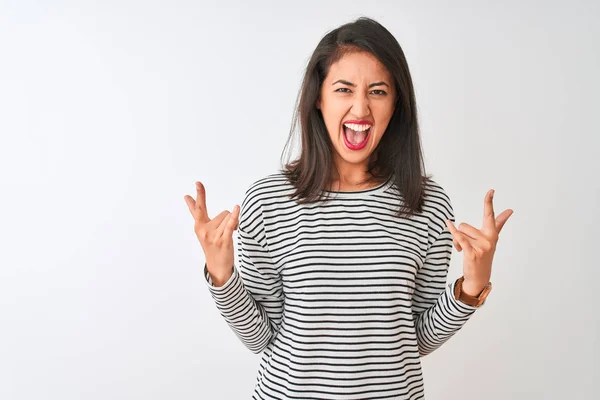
x,y
215,235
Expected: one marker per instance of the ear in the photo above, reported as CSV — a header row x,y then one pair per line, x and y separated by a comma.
x,y
318,103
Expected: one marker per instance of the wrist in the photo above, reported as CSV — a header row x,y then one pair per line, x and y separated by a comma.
x,y
470,293
473,289
219,280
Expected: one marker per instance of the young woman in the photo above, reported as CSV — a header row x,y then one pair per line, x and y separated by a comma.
x,y
344,253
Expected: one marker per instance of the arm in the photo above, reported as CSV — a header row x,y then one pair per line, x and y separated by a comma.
x,y
251,301
437,314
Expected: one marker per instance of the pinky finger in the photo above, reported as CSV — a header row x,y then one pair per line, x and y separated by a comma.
x,y
191,203
458,236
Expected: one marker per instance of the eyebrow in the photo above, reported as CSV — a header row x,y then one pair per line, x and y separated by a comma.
x,y
353,85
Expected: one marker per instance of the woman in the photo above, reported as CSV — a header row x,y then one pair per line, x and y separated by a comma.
x,y
344,253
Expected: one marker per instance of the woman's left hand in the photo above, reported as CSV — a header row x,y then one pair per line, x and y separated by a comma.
x,y
479,246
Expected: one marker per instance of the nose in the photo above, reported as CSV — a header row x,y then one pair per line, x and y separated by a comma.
x,y
360,107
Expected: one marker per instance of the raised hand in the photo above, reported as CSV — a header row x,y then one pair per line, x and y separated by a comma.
x,y
479,246
215,235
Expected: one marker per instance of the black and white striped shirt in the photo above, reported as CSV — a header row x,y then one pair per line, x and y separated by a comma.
x,y
341,297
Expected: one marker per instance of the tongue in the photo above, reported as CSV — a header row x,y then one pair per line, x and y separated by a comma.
x,y
355,137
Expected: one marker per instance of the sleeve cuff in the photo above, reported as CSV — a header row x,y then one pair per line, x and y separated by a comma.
x,y
210,283
459,306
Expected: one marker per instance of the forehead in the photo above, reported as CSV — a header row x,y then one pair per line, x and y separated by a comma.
x,y
356,66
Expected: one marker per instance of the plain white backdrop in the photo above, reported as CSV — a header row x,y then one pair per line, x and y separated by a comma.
x,y
110,111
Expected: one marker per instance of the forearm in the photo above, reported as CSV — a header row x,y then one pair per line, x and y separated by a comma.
x,y
244,315
437,324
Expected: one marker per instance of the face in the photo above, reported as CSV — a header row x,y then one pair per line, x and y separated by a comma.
x,y
357,88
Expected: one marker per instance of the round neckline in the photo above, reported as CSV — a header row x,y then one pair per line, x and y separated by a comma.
x,y
377,189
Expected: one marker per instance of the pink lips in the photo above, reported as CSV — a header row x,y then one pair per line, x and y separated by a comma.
x,y
358,121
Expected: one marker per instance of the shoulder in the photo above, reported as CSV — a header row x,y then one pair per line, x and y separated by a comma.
x,y
437,205
261,192
435,195
267,187
262,186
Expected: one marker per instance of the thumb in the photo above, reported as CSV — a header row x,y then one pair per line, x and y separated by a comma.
x,y
457,245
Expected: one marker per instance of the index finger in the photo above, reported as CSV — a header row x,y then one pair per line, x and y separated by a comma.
x,y
489,221
201,203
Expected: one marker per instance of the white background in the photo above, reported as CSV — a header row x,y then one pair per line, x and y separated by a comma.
x,y
110,111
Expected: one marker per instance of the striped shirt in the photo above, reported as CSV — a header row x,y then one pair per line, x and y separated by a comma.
x,y
342,297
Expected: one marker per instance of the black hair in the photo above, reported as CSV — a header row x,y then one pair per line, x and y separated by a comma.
x,y
398,154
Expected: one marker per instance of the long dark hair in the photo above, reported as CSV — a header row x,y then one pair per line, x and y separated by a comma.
x,y
398,154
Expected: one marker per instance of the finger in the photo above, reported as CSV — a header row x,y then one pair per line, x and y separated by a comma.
x,y
456,245
460,237
502,218
201,210
232,223
489,222
191,203
218,220
222,225
470,231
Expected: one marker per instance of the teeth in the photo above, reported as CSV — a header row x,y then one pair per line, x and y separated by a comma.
x,y
358,128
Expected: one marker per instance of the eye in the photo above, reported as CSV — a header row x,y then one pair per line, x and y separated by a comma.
x,y
380,92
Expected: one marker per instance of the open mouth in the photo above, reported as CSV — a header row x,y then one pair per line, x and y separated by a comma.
x,y
356,136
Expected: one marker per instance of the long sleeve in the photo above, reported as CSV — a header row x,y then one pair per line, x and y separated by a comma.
x,y
438,315
251,301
